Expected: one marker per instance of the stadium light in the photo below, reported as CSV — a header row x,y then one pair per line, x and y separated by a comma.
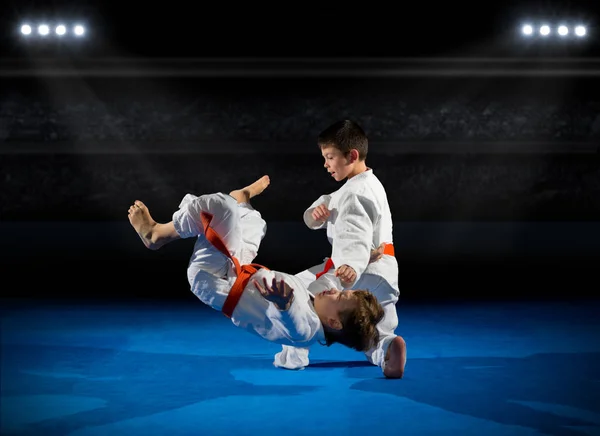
x,y
563,30
546,30
79,30
50,29
580,31
43,29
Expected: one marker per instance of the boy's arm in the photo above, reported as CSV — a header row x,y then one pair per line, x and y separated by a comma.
x,y
297,324
287,312
309,220
354,232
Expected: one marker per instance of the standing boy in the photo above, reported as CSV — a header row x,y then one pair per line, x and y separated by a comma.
x,y
358,220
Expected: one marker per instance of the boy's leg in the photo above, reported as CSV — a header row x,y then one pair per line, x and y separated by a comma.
x,y
154,235
253,226
186,221
386,327
234,222
390,353
245,194
225,211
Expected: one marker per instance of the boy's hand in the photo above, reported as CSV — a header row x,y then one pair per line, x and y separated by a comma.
x,y
280,294
320,213
346,274
377,253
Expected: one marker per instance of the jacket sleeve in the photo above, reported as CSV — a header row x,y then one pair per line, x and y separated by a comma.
x,y
297,323
357,216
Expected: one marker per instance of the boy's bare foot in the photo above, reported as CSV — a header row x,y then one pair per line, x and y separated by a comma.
x,y
258,187
142,222
245,194
395,358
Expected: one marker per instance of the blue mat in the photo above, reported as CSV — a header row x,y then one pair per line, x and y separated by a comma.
x,y
182,369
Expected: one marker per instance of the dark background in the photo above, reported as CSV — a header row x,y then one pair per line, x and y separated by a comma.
x,y
491,167
421,29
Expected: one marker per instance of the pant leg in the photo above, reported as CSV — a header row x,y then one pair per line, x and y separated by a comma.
x,y
386,327
254,229
386,295
225,221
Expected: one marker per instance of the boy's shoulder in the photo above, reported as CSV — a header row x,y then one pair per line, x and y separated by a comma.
x,y
366,182
362,191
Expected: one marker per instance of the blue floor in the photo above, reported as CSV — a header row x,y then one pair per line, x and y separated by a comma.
x,y
144,368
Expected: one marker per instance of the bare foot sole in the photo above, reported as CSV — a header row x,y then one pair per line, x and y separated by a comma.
x,y
245,194
142,222
396,358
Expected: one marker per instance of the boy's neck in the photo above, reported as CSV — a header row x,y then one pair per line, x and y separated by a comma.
x,y
360,167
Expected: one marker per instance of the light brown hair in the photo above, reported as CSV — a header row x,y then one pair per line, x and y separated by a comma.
x,y
359,324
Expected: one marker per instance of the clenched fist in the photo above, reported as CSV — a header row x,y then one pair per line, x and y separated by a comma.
x,y
346,274
320,213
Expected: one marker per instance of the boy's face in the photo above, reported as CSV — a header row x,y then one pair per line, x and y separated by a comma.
x,y
329,304
336,163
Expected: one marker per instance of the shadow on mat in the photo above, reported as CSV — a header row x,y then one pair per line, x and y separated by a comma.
x,y
342,364
555,394
126,384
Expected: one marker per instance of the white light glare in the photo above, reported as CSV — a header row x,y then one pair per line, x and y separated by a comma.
x,y
527,29
61,29
580,31
79,30
43,29
545,30
563,30
26,29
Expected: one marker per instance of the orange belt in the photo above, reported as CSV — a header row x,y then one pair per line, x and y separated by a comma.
x,y
387,249
244,272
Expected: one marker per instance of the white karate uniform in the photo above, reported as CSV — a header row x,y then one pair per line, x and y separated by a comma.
x,y
211,274
360,220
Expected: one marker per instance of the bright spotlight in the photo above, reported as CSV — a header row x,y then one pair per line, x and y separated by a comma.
x,y
43,30
61,29
79,30
527,29
580,31
545,30
26,29
563,30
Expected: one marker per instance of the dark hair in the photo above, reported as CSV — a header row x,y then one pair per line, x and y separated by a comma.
x,y
359,330
345,135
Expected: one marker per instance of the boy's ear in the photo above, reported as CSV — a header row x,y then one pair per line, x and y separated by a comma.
x,y
354,155
334,323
